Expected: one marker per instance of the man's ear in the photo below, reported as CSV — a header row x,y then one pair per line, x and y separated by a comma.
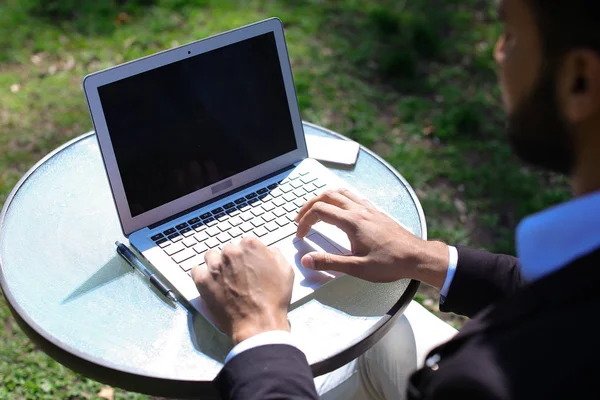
x,y
579,85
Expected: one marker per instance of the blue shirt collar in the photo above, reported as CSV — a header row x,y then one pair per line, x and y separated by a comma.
x,y
553,238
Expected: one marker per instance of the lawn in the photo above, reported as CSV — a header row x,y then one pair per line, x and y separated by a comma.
x,y
413,80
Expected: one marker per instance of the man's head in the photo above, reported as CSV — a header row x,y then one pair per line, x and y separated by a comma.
x,y
549,67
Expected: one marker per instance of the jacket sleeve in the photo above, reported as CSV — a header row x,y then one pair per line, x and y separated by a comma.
x,y
480,279
275,371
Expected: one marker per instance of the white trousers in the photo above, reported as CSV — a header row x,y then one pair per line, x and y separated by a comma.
x,y
383,371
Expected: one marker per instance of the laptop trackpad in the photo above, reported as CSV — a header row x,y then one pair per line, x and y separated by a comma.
x,y
306,280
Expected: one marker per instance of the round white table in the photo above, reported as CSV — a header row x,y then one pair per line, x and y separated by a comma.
x,y
84,306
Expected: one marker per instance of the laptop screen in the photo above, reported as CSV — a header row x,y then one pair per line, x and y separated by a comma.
x,y
189,124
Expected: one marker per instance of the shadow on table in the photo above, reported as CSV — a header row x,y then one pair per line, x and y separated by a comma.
x,y
206,338
114,269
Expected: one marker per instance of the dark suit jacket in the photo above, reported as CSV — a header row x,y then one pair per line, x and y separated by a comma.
x,y
536,341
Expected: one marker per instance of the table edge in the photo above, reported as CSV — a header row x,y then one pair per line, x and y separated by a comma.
x,y
142,382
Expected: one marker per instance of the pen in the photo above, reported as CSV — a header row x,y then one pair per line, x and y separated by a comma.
x,y
135,263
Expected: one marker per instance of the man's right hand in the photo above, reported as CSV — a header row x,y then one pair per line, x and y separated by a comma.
x,y
382,250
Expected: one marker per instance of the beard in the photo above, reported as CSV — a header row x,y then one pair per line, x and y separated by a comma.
x,y
538,133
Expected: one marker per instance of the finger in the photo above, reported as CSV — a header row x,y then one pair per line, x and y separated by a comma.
x,y
331,262
200,275
348,194
212,258
322,212
330,197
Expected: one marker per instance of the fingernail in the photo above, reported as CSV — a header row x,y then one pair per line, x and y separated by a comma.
x,y
308,262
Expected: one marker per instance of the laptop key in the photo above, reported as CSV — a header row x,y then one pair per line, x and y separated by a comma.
x,y
310,187
299,202
189,242
260,231
272,186
246,227
257,221
299,192
206,215
266,197
251,196
177,247
212,242
302,173
271,226
232,212
244,207
194,221
269,216
212,222
279,201
278,234
200,248
224,237
257,211
286,188
162,243
181,226
175,237
187,233
276,192
157,236
289,197
282,221
169,231
289,207
201,236
228,206
297,184
213,231
262,191
247,216
199,226
235,221
279,212
187,265
183,255
268,206
235,232
240,200
319,183
217,210
254,202
185,230
223,226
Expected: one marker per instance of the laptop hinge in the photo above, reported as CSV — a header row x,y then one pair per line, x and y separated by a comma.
x,y
189,210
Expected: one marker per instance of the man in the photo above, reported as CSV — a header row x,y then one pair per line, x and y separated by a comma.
x,y
529,335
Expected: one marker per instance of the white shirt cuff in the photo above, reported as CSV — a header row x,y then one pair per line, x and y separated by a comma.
x,y
262,339
452,261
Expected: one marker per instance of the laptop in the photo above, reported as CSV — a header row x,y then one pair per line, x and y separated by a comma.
x,y
203,144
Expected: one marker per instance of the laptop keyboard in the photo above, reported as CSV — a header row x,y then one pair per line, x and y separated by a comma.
x,y
268,213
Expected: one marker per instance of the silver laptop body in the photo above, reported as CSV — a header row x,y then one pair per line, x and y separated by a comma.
x,y
202,145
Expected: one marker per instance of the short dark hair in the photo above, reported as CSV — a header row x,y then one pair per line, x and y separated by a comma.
x,y
567,24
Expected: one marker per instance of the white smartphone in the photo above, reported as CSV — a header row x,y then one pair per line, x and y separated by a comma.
x,y
330,150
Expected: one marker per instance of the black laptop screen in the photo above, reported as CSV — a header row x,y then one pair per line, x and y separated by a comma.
x,y
189,124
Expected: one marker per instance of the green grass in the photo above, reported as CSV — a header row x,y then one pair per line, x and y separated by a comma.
x,y
416,83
